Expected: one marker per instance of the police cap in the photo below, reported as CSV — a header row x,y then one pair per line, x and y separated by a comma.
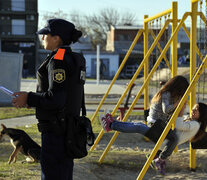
x,y
60,27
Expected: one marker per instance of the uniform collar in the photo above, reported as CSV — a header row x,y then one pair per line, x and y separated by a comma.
x,y
66,47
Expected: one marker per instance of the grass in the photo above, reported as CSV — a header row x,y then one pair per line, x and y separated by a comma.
x,y
31,171
116,159
11,112
18,170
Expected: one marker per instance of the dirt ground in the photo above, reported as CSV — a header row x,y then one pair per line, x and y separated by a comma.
x,y
127,157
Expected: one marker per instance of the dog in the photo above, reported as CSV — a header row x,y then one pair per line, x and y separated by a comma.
x,y
21,142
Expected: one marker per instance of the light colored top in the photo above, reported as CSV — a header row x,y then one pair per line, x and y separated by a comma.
x,y
185,130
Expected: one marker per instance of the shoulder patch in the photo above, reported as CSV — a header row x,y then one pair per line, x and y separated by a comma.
x,y
59,75
60,54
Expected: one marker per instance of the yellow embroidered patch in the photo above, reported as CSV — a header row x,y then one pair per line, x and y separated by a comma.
x,y
59,75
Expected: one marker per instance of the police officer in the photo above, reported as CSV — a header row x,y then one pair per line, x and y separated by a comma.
x,y
59,91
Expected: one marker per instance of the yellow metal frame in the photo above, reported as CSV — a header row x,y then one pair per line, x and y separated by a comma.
x,y
173,118
176,25
193,45
175,41
117,74
149,76
146,65
130,83
197,50
174,46
191,89
160,49
125,92
134,78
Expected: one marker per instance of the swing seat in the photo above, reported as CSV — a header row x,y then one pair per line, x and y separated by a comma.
x,y
156,130
200,144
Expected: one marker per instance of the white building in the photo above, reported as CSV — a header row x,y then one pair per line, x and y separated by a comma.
x,y
110,60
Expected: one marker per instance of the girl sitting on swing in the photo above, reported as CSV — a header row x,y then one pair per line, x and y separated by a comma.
x,y
162,107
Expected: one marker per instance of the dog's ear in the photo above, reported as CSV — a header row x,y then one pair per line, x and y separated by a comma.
x,y
3,126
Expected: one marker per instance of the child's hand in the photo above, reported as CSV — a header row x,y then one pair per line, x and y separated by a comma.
x,y
118,118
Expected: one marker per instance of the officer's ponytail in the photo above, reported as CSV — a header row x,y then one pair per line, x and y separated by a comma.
x,y
76,34
73,38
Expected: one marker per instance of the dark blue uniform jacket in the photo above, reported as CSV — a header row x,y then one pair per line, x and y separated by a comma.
x,y
60,86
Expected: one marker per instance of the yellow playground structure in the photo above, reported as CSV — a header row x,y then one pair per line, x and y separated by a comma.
x,y
170,17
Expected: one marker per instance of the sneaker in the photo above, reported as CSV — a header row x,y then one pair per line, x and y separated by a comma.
x,y
109,117
106,122
160,165
152,163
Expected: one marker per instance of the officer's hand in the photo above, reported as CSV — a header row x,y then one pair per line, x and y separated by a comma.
x,y
20,99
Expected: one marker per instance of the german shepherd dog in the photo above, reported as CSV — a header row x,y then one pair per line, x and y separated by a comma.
x,y
21,142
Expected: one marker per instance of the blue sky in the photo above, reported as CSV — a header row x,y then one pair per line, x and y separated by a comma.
x,y
137,7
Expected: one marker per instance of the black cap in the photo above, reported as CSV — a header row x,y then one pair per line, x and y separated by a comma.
x,y
59,27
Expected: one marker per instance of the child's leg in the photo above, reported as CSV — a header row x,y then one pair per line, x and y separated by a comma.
x,y
129,127
170,145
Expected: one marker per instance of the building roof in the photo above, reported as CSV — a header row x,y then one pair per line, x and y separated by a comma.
x,y
124,27
101,53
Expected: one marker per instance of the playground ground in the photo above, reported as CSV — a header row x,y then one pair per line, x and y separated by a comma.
x,y
127,155
125,159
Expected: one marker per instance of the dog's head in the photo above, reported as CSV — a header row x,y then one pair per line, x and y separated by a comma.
x,y
3,131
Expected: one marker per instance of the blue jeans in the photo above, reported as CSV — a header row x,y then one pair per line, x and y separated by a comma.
x,y
141,128
54,162
171,144
130,127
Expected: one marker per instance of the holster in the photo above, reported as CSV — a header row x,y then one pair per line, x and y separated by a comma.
x,y
56,125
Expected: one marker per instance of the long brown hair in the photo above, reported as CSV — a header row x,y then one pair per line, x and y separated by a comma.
x,y
202,120
176,86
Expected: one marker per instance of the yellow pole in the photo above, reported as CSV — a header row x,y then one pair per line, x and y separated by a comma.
x,y
146,65
125,92
160,49
152,18
174,47
118,72
143,86
197,50
203,17
149,160
149,76
174,43
132,80
193,45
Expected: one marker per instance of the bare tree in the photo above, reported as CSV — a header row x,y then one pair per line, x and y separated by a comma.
x,y
97,25
79,21
101,23
51,15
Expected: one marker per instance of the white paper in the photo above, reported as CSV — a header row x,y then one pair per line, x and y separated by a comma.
x,y
7,91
